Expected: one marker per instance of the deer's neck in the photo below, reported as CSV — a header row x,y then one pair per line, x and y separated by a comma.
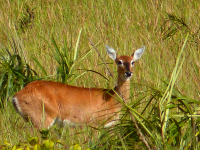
x,y
123,88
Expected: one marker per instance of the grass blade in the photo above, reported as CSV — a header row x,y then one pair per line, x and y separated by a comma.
x,y
40,66
77,43
171,85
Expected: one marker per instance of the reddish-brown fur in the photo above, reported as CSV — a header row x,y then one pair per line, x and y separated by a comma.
x,y
44,101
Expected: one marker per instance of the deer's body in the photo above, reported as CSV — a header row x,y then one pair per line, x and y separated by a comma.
x,y
44,102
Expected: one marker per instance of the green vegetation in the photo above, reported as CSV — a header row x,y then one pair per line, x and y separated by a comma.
x,y
63,41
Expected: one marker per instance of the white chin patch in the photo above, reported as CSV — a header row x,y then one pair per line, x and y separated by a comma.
x,y
125,78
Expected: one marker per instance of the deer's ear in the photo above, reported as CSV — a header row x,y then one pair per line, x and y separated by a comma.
x,y
138,53
111,52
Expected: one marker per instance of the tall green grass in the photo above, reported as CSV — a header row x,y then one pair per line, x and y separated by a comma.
x,y
52,40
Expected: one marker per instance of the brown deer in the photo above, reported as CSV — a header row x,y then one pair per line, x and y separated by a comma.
x,y
45,102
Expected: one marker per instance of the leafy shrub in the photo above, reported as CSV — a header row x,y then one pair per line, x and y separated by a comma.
x,y
66,59
14,74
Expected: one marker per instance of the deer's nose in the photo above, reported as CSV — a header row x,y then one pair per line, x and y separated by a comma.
x,y
128,74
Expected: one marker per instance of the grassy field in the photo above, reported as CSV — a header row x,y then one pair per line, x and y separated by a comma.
x,y
61,41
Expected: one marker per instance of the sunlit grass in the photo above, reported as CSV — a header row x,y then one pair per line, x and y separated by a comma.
x,y
46,33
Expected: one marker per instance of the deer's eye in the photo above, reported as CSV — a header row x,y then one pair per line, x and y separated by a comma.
x,y
132,62
119,62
